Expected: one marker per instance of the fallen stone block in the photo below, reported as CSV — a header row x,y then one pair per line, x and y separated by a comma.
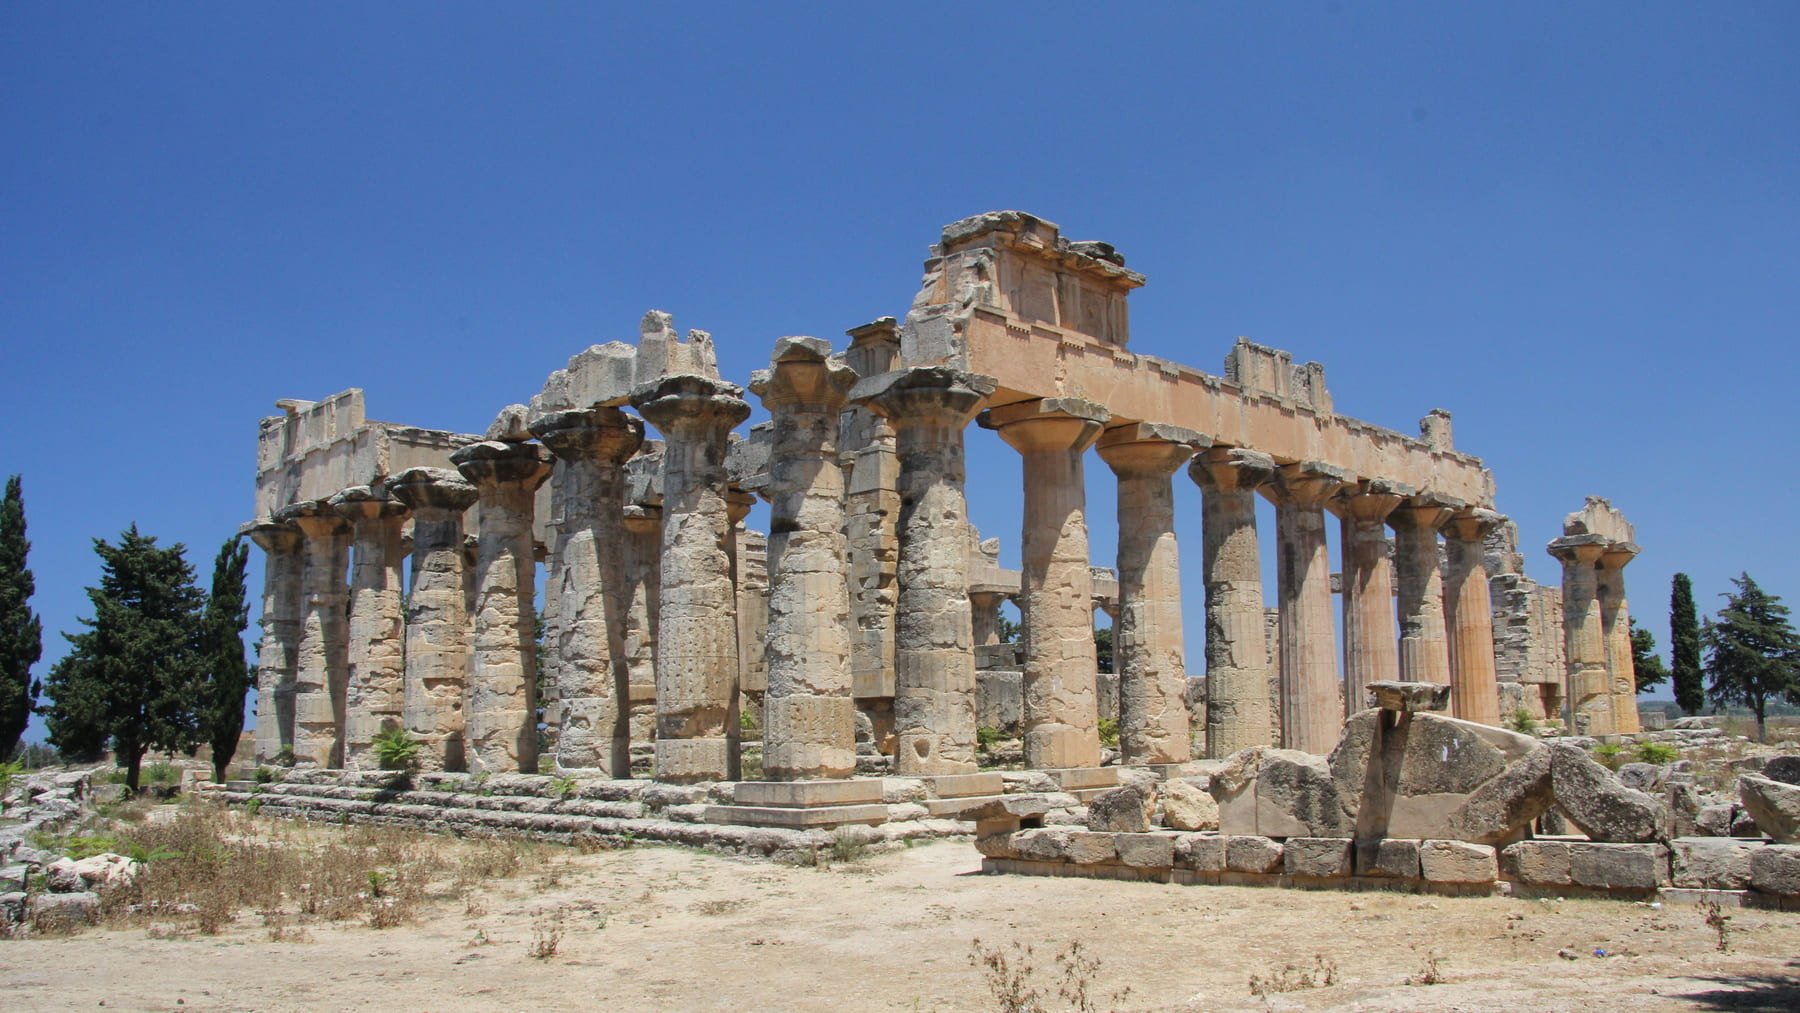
x,y
1775,869
1774,805
1395,857
63,912
1088,847
1501,810
1155,850
1537,863
1594,800
1122,810
1619,866
1186,806
1457,862
1201,852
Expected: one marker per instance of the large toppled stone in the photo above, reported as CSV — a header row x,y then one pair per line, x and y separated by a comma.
x,y
1785,769
1594,800
1775,805
1280,793
1499,811
1123,810
1187,806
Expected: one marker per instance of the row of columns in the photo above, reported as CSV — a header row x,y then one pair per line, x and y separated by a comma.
x,y
1597,633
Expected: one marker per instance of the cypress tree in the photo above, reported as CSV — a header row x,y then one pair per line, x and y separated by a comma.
x,y
133,676
1684,646
21,634
226,672
1752,652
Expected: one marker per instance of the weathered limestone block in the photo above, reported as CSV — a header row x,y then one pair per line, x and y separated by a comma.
x,y
1061,709
321,674
1424,647
1408,697
1089,847
1776,870
1502,809
1457,862
1148,649
696,644
1595,801
277,658
809,723
1122,810
1619,866
1155,850
1201,852
1253,854
437,618
1043,844
1237,656
1371,645
375,700
1468,611
1538,863
1311,712
1773,804
1186,806
589,578
1397,857
501,729
1316,857
934,661
1785,769
1280,793
1711,863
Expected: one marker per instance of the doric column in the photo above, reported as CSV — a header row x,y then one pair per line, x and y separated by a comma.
x,y
1061,705
320,677
437,616
375,700
587,573
1615,622
277,655
1424,646
696,656
747,645
1311,714
1147,645
934,659
501,728
984,611
1237,655
809,718
642,592
1371,647
1468,608
1584,642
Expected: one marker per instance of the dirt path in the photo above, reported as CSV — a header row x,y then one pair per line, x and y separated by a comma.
x,y
659,928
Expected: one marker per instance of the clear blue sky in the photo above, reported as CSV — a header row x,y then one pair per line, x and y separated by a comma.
x,y
1577,227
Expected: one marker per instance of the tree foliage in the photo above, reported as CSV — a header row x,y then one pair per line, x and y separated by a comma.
x,y
21,634
1684,646
1651,671
1752,652
226,673
133,676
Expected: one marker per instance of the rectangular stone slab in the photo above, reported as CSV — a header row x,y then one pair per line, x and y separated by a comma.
x,y
796,819
965,785
807,794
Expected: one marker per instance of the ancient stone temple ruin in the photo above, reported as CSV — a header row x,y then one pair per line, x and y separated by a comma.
x,y
861,633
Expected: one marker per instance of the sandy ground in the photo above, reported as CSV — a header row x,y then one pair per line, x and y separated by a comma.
x,y
652,928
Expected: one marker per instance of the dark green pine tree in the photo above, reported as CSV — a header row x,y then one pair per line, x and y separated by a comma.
x,y
1684,646
1752,652
21,635
226,672
1651,671
133,676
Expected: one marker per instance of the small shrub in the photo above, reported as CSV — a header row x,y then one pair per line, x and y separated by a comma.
x,y
1522,722
1717,920
1294,977
161,774
986,736
747,721
1656,752
848,847
8,771
1430,973
284,758
1109,733
396,750
563,787
266,776
546,934
1611,754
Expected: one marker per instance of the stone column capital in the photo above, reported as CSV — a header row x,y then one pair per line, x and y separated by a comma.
x,y
1583,549
496,463
602,434
1369,501
688,404
274,537
738,503
1149,450
1047,424
1618,554
643,519
923,396
1306,484
315,518
1231,469
1426,511
1472,524
803,376
362,502
433,489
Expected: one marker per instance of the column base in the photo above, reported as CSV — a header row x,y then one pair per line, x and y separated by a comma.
x,y
688,761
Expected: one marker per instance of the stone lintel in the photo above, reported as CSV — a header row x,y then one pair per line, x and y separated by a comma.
x,y
1079,778
807,794
796,819
1408,697
880,330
